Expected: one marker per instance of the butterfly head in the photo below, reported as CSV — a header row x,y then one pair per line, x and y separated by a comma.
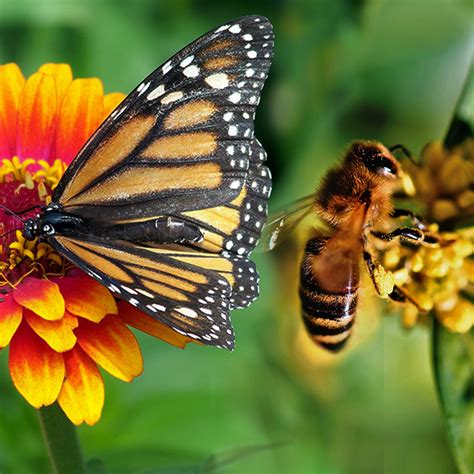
x,y
31,229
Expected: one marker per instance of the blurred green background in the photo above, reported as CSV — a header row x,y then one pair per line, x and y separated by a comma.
x,y
386,70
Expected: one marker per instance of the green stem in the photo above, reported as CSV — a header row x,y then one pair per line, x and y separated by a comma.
x,y
61,441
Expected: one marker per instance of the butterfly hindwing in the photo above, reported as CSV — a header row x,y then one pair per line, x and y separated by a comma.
x,y
189,292
184,133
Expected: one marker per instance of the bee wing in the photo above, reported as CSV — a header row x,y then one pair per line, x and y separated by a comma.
x,y
283,222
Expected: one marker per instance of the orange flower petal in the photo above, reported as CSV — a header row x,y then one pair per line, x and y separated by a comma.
x,y
42,297
87,298
37,117
10,319
110,102
59,335
113,346
141,321
79,117
11,86
36,370
82,395
62,75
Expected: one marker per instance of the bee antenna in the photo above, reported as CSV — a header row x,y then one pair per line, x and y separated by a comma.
x,y
405,151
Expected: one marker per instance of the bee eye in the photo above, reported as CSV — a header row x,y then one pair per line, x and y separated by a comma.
x,y
380,164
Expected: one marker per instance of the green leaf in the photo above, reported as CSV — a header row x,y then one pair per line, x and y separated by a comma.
x,y
453,360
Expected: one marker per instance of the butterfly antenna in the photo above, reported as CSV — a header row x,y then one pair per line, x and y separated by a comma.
x,y
9,232
9,211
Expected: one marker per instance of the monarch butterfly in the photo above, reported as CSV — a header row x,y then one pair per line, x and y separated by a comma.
x,y
167,199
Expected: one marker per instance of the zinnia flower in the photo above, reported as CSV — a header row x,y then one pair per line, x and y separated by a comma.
x,y
58,323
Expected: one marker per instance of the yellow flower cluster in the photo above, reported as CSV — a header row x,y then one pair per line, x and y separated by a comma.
x,y
434,279
39,182
444,182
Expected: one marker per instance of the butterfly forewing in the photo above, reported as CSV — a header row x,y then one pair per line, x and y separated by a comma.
x,y
185,132
237,226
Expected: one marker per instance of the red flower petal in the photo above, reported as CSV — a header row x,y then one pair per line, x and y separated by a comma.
x,y
10,319
42,297
113,346
36,370
37,117
79,117
59,335
87,298
11,86
62,75
141,321
82,395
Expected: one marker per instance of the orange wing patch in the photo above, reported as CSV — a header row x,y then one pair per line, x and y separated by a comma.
x,y
220,62
110,152
142,181
184,145
187,115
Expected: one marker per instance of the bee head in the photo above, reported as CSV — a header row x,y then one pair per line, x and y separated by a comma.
x,y
375,157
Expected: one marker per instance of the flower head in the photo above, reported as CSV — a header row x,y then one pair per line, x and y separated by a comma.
x,y
60,325
439,277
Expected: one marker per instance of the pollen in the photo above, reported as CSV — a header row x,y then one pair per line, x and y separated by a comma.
x,y
25,186
438,278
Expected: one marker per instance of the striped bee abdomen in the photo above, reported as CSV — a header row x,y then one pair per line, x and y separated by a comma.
x,y
329,279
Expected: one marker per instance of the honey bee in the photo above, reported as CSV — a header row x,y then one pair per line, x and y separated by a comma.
x,y
354,203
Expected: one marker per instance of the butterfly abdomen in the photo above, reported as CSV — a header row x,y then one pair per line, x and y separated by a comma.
x,y
327,314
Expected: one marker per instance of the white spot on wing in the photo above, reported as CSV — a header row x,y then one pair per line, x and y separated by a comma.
x,y
156,92
167,68
235,29
187,312
172,97
191,71
143,87
235,97
218,81
187,61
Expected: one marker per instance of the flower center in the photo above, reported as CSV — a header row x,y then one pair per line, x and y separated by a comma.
x,y
25,186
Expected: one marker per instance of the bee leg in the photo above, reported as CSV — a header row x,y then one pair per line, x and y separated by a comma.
x,y
417,220
407,234
400,295
381,279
